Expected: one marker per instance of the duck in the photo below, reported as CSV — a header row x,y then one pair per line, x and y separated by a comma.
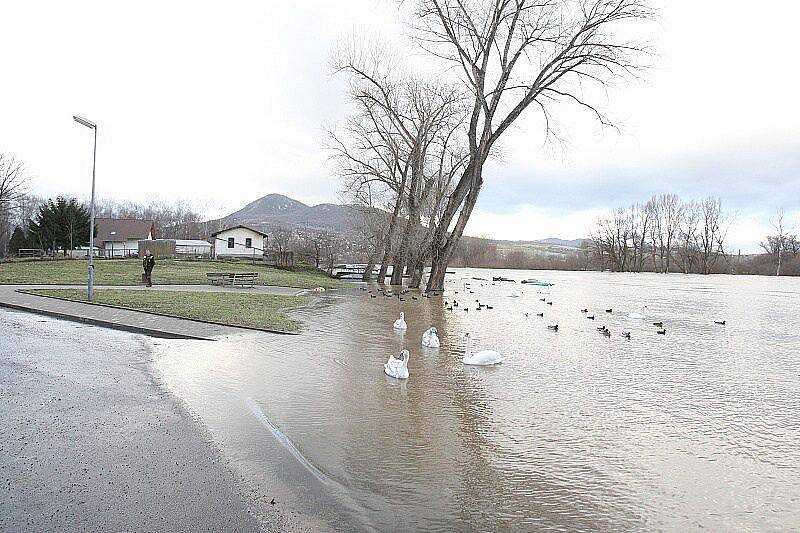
x,y
541,315
602,329
481,358
397,367
609,310
455,304
626,334
489,307
549,303
449,307
554,327
662,332
720,322
584,310
658,324
590,317
400,323
430,339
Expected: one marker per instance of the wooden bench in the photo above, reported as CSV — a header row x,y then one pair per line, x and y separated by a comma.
x,y
243,279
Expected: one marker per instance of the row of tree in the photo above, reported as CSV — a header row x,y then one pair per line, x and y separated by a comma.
x,y
417,146
664,234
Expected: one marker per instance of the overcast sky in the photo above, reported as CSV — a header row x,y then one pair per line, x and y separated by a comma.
x,y
223,102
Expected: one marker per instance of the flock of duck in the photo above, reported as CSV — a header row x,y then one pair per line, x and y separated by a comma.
x,y
397,367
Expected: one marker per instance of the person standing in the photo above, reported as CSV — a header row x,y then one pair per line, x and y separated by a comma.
x,y
148,263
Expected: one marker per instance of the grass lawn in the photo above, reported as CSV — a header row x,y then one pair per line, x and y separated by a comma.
x,y
167,272
260,311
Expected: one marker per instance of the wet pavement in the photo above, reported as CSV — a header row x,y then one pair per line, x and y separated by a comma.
x,y
91,440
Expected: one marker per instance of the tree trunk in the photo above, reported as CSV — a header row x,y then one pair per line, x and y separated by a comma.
x,y
441,255
387,249
370,266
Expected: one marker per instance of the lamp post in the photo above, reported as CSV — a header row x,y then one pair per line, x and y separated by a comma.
x,y
93,126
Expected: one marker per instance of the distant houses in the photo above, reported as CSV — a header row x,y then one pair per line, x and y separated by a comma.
x,y
239,242
119,237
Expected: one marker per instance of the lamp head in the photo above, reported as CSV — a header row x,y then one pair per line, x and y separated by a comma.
x,y
83,121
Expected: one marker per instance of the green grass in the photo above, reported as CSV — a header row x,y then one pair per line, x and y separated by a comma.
x,y
167,272
261,311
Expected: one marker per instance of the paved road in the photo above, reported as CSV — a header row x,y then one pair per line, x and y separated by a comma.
x,y
92,441
125,319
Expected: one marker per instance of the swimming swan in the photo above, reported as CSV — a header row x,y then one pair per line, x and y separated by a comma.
x,y
481,358
430,339
397,368
400,323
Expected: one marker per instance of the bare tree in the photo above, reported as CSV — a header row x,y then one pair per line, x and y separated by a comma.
x,y
13,181
776,245
281,239
690,218
511,55
403,143
711,234
670,210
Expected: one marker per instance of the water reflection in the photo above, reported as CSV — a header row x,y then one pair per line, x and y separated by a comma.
x,y
574,430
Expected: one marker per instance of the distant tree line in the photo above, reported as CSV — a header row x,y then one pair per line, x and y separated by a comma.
x,y
664,234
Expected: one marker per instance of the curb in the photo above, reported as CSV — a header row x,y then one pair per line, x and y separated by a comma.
x,y
103,323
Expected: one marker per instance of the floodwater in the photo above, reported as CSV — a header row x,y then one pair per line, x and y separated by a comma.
x,y
696,428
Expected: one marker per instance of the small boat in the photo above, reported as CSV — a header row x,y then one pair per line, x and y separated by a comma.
x,y
537,282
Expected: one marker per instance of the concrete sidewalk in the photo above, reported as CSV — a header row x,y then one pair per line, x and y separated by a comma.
x,y
124,319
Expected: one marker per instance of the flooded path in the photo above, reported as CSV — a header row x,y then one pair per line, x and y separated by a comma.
x,y
575,430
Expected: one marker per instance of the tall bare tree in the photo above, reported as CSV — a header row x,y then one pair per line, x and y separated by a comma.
x,y
513,55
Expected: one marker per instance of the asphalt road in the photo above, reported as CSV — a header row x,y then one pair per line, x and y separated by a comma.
x,y
90,440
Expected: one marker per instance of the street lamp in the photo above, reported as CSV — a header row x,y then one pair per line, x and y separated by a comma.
x,y
93,126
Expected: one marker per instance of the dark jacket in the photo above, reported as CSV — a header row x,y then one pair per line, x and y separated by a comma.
x,y
148,263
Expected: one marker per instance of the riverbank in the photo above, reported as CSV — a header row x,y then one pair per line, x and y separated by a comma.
x,y
93,440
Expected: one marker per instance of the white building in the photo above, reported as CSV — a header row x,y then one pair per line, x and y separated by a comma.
x,y
239,241
119,237
192,248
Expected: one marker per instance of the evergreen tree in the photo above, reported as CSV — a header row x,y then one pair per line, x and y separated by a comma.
x,y
60,224
19,239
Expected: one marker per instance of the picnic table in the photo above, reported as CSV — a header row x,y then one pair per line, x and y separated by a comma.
x,y
243,279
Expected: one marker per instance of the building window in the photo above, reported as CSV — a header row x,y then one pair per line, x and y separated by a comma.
x,y
230,242
248,243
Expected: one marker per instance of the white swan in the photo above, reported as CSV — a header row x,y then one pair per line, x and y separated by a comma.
x,y
514,294
430,339
397,368
400,323
481,358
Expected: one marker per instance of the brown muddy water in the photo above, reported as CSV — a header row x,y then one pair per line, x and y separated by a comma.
x,y
696,428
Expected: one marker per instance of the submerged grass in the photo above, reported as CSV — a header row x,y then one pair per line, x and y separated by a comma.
x,y
260,311
167,272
